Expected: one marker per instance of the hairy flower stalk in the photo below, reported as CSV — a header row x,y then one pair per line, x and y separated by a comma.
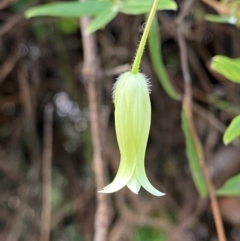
x,y
132,123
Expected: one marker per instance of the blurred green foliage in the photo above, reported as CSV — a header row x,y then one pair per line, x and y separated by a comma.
x,y
149,234
231,187
231,15
101,11
193,158
233,131
58,189
228,67
154,44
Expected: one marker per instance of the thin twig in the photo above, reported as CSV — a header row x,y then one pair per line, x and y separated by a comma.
x,y
219,7
16,227
78,204
91,76
207,115
117,70
47,175
135,212
9,64
32,140
16,223
9,169
188,221
187,105
10,23
6,3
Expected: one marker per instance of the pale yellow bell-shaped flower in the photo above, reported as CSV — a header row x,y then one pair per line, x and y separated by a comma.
x,y
132,123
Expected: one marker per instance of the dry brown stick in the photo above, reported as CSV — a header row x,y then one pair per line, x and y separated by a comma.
x,y
25,96
77,204
9,170
32,140
9,65
92,76
219,7
117,70
10,23
47,175
14,231
187,105
188,221
208,116
16,227
140,217
6,3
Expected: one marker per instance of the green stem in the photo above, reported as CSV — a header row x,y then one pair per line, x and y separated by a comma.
x,y
138,57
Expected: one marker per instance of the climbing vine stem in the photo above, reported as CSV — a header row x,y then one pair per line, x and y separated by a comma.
x,y
138,57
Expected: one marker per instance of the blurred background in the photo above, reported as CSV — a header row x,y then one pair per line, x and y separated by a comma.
x,y
44,115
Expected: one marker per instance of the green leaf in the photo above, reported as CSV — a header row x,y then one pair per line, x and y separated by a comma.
x,y
233,131
68,9
193,159
224,105
229,68
220,19
231,187
148,233
67,25
102,19
20,5
139,7
154,45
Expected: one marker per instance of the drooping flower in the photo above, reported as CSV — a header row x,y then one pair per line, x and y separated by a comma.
x,y
132,123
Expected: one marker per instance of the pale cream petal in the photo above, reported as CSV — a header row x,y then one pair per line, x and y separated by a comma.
x,y
132,122
142,177
142,118
123,176
133,184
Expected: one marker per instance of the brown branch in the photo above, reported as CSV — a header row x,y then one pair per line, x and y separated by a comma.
x,y
16,227
187,106
92,76
117,70
219,7
188,221
6,3
15,224
10,23
31,137
208,116
78,204
47,174
9,169
9,64
136,212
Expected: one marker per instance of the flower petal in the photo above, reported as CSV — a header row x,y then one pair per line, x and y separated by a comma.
x,y
141,133
133,184
123,176
142,177
132,122
123,92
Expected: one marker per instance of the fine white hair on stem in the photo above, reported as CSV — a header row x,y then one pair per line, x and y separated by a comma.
x,y
114,86
137,51
148,83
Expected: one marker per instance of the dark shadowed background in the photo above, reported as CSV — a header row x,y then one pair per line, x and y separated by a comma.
x,y
45,135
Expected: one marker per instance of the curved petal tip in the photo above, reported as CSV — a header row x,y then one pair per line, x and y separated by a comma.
x,y
158,193
133,184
